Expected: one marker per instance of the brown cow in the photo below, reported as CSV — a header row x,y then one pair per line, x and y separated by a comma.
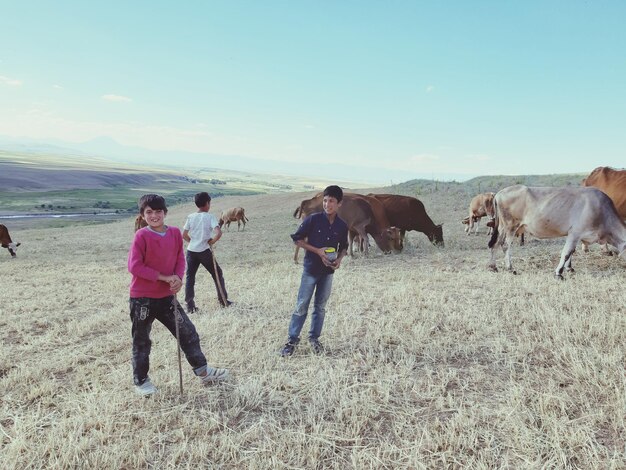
x,y
5,240
235,214
585,214
612,183
480,206
364,215
408,213
140,222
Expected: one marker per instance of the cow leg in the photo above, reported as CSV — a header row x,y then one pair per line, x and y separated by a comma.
x,y
470,224
585,246
492,263
476,225
566,254
350,243
506,247
568,264
295,255
238,224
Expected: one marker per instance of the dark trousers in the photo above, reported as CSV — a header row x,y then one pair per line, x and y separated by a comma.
x,y
143,312
194,260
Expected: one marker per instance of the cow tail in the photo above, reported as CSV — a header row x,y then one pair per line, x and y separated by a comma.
x,y
494,234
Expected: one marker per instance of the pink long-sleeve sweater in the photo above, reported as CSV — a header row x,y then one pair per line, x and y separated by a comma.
x,y
151,254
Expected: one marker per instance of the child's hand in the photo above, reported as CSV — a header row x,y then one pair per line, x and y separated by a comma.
x,y
175,283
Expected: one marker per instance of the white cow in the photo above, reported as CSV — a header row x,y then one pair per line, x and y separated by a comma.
x,y
580,214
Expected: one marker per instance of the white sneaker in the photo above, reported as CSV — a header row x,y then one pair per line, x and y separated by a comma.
x,y
145,389
214,375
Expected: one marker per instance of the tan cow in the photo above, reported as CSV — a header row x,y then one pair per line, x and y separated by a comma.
x,y
580,214
612,183
140,222
480,206
235,214
364,215
5,240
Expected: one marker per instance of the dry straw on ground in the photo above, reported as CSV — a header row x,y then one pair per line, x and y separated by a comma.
x,y
433,361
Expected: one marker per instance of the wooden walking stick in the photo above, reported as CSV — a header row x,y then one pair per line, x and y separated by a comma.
x,y
177,318
217,278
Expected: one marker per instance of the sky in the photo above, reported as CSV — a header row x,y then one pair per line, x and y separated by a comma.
x,y
441,89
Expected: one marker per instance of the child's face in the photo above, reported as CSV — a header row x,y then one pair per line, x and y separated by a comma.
x,y
330,205
154,218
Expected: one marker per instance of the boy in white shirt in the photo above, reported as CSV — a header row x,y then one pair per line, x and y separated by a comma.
x,y
198,231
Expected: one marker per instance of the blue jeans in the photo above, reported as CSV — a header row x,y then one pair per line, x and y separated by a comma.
x,y
321,284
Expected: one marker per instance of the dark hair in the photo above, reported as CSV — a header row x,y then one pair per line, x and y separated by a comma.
x,y
334,191
154,201
201,199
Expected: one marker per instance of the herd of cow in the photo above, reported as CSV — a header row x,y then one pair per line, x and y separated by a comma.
x,y
592,213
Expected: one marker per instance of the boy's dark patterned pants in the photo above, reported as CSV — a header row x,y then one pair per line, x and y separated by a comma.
x,y
143,312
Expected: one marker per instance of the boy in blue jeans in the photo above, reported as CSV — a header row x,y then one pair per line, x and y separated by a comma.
x,y
157,263
319,234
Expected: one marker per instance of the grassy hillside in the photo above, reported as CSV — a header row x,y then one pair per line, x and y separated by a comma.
x,y
433,361
483,184
35,183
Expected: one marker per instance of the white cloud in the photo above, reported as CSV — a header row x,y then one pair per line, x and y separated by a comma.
x,y
116,98
430,88
10,81
58,87
309,126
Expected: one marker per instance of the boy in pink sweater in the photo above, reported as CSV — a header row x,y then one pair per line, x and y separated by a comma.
x,y
157,263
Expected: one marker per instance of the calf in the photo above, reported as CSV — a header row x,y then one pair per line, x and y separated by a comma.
x,y
140,222
480,206
235,214
5,240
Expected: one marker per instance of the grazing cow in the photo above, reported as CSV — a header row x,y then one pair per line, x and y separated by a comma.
x,y
235,214
6,241
612,183
585,214
363,215
480,206
408,213
140,222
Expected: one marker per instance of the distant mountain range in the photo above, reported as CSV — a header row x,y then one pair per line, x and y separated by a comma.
x,y
109,149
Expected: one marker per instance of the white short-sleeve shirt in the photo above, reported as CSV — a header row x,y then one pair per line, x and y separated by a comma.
x,y
200,227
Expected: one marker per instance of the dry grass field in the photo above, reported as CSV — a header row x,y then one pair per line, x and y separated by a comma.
x,y
432,362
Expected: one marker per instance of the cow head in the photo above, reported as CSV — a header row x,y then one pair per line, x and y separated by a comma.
x,y
12,247
391,239
436,236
